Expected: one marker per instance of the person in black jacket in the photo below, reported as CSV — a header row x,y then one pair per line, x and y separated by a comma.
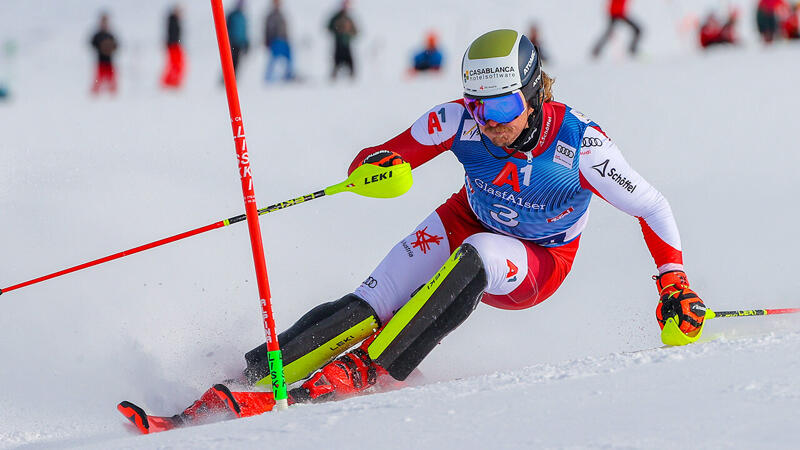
x,y
105,44
237,33
176,59
343,29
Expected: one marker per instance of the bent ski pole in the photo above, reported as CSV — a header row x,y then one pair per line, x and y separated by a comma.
x,y
367,180
672,335
753,312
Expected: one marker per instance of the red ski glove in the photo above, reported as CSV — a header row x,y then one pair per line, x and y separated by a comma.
x,y
678,300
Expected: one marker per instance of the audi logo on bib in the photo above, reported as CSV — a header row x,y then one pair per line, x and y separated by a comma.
x,y
569,153
564,154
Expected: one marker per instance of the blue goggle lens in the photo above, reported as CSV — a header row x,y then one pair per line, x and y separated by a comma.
x,y
502,109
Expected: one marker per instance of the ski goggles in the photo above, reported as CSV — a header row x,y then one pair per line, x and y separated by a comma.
x,y
501,109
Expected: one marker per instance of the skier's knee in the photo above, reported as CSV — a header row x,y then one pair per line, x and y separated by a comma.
x,y
434,311
505,261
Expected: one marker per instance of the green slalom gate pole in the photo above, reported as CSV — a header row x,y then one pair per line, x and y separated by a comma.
x,y
391,182
251,210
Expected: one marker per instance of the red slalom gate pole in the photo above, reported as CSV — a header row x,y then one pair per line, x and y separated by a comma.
x,y
251,210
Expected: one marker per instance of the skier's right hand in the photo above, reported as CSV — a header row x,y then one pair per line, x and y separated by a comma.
x,y
384,158
678,300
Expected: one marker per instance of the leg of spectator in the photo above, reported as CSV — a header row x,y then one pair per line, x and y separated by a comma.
x,y
598,47
637,33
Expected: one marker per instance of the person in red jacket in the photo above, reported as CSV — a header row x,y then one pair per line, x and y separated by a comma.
x,y
617,11
768,18
712,32
791,25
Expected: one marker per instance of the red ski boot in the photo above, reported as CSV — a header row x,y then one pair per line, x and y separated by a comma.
x,y
346,376
210,404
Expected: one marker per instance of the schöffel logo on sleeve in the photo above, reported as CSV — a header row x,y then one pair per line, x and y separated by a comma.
x,y
615,175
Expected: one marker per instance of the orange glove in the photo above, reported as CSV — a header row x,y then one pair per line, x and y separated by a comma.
x,y
678,300
384,158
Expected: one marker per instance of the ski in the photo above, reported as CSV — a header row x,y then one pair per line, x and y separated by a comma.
x,y
221,402
217,404
145,423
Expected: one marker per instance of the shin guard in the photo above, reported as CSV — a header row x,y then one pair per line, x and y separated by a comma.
x,y
319,336
435,310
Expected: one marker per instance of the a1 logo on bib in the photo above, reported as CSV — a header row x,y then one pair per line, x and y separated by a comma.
x,y
470,132
564,154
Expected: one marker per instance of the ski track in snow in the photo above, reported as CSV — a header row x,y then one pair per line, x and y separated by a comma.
x,y
81,178
505,406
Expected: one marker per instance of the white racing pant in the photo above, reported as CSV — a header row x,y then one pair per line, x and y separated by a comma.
x,y
415,259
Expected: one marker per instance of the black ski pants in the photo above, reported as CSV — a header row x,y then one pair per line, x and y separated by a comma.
x,y
637,32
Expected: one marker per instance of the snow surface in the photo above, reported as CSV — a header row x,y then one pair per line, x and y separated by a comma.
x,y
82,178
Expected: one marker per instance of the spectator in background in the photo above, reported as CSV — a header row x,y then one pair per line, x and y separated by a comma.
x,y
429,58
343,29
768,17
237,33
791,25
712,32
276,38
105,44
176,60
535,38
617,11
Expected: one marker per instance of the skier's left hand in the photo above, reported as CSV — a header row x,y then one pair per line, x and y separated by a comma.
x,y
677,299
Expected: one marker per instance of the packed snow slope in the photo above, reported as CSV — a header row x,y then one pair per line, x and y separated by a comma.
x,y
83,177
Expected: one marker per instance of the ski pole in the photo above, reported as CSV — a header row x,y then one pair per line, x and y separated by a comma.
x,y
671,334
367,180
753,312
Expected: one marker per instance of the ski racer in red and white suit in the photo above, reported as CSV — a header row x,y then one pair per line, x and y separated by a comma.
x,y
523,214
507,238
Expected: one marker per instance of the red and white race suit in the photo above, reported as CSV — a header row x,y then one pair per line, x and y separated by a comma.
x,y
523,214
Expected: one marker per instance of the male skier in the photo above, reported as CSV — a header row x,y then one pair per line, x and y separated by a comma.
x,y
507,238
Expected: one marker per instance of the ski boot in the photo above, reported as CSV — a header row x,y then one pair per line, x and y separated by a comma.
x,y
350,374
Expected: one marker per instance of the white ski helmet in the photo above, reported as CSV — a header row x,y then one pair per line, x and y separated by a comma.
x,y
500,62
